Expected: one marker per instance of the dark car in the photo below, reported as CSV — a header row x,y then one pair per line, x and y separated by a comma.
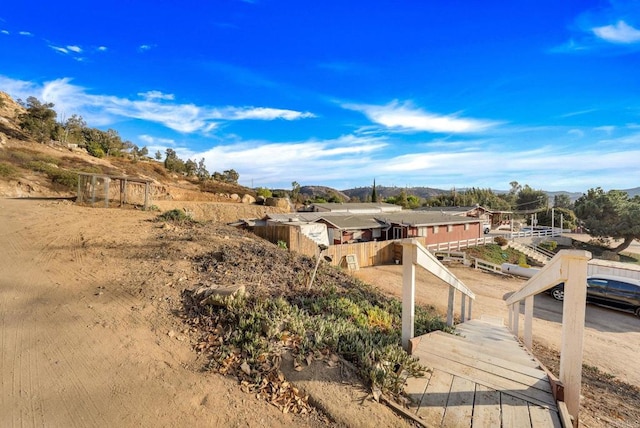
x,y
616,292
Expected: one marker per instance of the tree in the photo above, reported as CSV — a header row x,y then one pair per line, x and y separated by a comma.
x,y
172,162
374,194
190,167
39,120
530,199
231,176
562,201
73,130
610,214
158,155
201,171
264,192
295,191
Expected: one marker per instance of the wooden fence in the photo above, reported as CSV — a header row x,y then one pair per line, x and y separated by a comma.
x,y
367,253
372,253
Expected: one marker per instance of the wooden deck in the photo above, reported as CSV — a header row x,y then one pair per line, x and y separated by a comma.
x,y
482,378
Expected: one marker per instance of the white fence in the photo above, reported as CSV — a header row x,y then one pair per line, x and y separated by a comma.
x,y
537,233
459,245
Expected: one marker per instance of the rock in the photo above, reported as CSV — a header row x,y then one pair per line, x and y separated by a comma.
x,y
219,296
248,199
235,197
283,203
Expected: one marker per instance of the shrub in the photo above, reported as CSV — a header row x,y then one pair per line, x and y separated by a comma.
x,y
549,245
500,240
7,171
175,215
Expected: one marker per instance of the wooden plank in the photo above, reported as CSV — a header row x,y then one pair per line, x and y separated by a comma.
x,y
486,408
414,388
539,379
484,352
460,404
491,380
434,401
515,412
543,418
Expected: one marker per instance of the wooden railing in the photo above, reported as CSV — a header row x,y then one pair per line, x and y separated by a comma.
x,y
414,254
570,267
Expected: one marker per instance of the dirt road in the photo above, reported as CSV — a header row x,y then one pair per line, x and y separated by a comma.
x,y
87,337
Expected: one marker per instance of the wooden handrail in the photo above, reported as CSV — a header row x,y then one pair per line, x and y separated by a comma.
x,y
414,254
570,267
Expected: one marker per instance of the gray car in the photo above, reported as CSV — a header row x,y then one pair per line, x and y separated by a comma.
x,y
615,292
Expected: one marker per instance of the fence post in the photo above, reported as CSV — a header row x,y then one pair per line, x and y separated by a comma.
x,y
573,316
452,299
408,292
528,322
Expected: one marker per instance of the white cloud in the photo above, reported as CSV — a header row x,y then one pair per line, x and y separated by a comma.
x,y
576,132
74,48
5,32
621,32
155,106
25,33
156,140
314,161
606,129
407,117
102,48
144,48
156,95
59,49
263,113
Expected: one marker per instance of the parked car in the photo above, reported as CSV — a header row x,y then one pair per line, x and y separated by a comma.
x,y
616,292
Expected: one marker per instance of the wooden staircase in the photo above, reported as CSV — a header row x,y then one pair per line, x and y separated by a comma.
x,y
482,377
530,252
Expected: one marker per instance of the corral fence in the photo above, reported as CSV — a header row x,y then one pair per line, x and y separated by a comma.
x,y
104,189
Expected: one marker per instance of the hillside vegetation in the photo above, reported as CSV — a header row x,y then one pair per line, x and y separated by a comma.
x,y
35,161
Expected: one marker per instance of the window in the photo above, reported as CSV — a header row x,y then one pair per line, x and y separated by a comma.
x,y
450,228
422,231
435,229
466,227
397,233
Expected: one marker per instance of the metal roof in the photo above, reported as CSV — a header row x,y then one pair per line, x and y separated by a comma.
x,y
358,206
351,222
424,218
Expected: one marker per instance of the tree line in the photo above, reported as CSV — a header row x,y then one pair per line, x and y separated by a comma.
x,y
39,121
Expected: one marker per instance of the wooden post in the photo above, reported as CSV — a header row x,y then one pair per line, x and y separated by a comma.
x,y
463,312
93,190
146,195
528,322
79,195
408,293
452,301
107,180
511,317
470,304
573,315
516,319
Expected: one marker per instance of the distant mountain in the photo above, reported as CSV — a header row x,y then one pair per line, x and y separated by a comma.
x,y
362,193
633,192
309,192
572,195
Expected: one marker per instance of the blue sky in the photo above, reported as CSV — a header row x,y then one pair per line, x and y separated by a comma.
x,y
412,93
